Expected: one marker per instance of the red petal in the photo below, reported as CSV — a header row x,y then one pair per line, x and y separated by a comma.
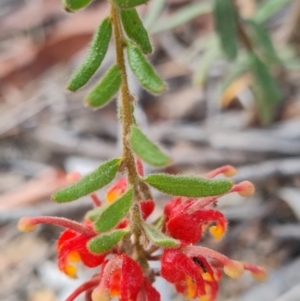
x,y
185,227
173,203
176,265
151,293
65,236
131,279
147,208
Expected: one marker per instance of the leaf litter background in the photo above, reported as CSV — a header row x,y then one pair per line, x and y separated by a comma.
x,y
46,132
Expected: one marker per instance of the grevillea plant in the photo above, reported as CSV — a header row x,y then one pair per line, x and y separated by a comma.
x,y
115,236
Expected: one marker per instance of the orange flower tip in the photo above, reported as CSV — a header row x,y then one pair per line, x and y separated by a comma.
x,y
244,188
26,224
74,256
229,171
100,295
112,196
217,231
234,269
73,177
260,275
71,271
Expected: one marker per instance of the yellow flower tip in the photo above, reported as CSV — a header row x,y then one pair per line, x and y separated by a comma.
x,y
229,171
73,177
112,195
207,276
71,271
234,269
260,275
191,288
74,256
26,224
245,188
205,298
100,295
217,231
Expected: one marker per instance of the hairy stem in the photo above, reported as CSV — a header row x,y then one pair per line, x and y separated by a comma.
x,y
125,103
125,97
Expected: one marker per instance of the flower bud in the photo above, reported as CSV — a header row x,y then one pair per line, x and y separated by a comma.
x,y
26,224
260,275
234,269
244,188
257,272
100,295
227,171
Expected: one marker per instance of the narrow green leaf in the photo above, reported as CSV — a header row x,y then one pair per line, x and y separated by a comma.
x,y
143,70
106,89
73,5
105,242
113,214
97,179
263,41
158,238
225,23
184,15
94,58
146,149
135,29
125,4
268,8
188,186
269,93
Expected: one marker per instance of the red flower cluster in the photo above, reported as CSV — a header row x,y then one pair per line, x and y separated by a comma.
x,y
194,270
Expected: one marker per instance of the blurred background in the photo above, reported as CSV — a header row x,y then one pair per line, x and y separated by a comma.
x,y
216,111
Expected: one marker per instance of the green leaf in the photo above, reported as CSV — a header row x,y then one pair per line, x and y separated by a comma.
x,y
158,238
125,4
143,70
146,149
263,41
72,5
269,93
106,89
94,58
105,242
225,23
184,15
188,186
97,179
135,29
114,213
268,8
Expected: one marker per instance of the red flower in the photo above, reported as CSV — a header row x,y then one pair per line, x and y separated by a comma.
x,y
186,220
71,248
123,277
195,271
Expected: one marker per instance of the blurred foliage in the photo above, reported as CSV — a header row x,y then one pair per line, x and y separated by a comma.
x,y
244,42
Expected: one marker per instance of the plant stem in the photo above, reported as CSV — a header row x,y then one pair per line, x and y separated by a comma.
x,y
125,103
125,97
